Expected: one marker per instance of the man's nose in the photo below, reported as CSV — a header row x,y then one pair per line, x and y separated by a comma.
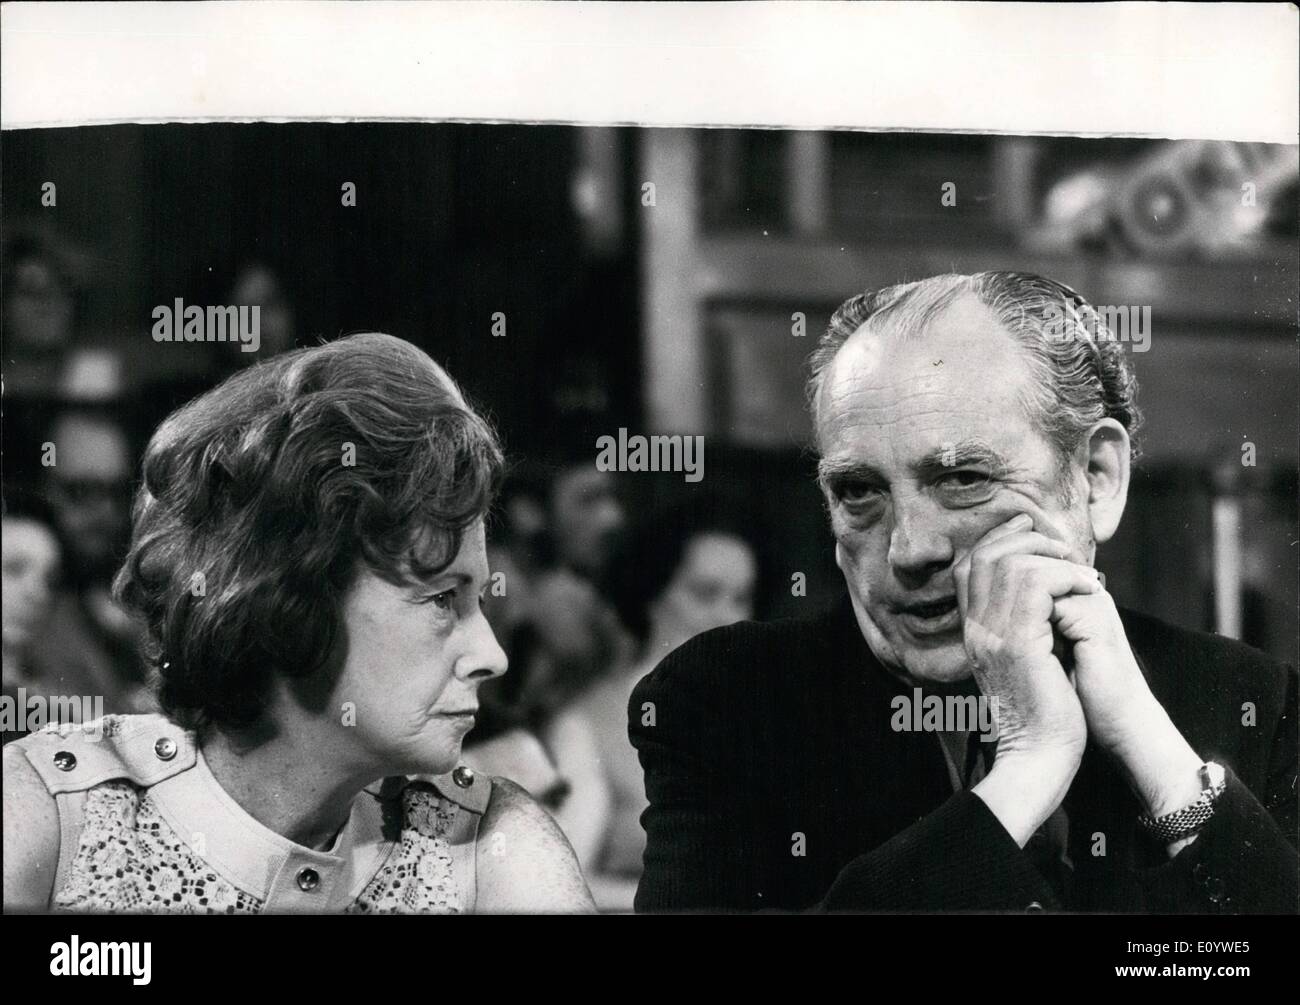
x,y
918,542
484,658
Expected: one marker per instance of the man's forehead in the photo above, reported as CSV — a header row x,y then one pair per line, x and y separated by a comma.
x,y
961,363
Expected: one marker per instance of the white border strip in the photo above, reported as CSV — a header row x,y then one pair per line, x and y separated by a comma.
x,y
1211,71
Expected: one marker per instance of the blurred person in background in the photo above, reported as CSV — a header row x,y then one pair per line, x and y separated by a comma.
x,y
578,631
514,709
559,522
586,517
685,570
44,278
88,485
30,557
257,284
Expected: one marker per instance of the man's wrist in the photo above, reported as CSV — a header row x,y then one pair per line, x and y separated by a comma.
x,y
1022,792
1162,768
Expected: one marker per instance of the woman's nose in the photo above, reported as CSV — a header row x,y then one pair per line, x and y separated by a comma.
x,y
486,657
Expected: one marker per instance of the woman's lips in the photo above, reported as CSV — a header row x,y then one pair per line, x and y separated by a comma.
x,y
933,617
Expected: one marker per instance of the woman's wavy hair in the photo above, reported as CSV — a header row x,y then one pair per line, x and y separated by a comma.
x,y
263,499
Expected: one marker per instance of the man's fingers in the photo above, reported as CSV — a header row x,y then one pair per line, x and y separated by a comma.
x,y
983,564
1021,592
1019,523
1079,616
1060,578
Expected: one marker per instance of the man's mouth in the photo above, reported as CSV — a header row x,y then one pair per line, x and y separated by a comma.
x,y
930,617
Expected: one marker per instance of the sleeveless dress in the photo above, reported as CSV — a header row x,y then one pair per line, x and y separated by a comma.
x,y
146,828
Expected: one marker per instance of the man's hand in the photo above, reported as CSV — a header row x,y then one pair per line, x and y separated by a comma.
x,y
1124,718
1008,588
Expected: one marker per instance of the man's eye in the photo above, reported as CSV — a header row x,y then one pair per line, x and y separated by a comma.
x,y
966,484
855,493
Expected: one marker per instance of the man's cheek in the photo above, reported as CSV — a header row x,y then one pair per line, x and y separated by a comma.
x,y
862,563
849,544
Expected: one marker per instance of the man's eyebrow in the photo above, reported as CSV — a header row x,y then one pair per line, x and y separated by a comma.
x,y
958,455
841,469
944,458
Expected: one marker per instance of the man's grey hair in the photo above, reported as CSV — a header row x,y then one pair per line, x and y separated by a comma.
x,y
1080,372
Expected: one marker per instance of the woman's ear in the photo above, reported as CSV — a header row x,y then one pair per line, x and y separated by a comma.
x,y
1108,476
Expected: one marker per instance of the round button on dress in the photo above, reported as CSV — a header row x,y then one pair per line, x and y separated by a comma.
x,y
65,760
463,777
308,879
165,748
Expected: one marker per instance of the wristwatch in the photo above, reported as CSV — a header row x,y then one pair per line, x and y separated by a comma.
x,y
1185,822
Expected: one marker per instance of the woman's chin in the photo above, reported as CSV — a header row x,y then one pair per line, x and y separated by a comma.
x,y
439,761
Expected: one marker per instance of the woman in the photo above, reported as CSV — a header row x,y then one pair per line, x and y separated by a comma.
x,y
308,560
686,571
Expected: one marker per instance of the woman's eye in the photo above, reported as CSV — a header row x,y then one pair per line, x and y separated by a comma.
x,y
443,601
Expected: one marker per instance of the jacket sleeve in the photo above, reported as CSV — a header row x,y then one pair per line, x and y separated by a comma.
x,y
958,858
1244,860
697,855
701,854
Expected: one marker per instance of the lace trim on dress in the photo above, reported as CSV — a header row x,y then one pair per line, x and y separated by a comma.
x,y
129,860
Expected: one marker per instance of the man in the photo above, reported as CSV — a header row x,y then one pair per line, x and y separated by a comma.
x,y
89,488
975,435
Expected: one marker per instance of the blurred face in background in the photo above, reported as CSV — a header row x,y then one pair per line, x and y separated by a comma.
x,y
257,285
29,564
586,519
90,491
713,587
38,307
926,446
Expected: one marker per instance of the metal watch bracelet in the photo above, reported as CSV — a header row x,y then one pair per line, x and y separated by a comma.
x,y
1183,823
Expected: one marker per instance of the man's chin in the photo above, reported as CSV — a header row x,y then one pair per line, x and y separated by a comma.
x,y
941,666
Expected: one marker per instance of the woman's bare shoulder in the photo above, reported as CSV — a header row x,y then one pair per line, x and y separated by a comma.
x,y
31,834
525,864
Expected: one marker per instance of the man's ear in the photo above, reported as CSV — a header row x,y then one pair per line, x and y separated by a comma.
x,y
1108,476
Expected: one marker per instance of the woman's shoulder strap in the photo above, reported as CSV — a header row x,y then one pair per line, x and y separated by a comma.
x,y
142,749
467,788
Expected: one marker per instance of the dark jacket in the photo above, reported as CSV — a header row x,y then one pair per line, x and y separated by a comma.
x,y
776,782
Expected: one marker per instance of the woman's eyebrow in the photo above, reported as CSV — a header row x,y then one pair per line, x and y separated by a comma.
x,y
456,577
